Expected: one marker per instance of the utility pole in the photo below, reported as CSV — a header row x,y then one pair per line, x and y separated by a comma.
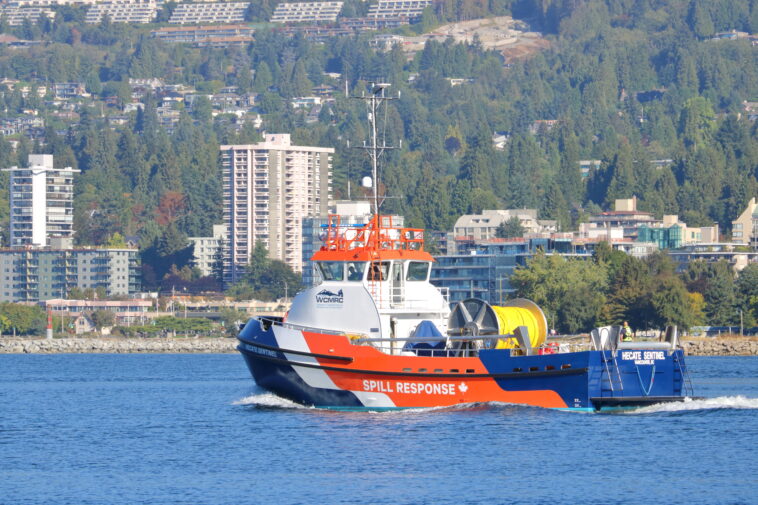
x,y
64,294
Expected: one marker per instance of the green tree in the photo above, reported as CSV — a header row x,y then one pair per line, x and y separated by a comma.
x,y
622,183
511,228
629,295
5,324
116,241
102,318
263,78
715,281
697,122
554,206
93,84
672,304
23,319
747,292
266,278
231,319
700,18
571,289
569,176
202,110
476,166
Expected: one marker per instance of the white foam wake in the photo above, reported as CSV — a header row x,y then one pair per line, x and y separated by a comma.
x,y
717,403
265,399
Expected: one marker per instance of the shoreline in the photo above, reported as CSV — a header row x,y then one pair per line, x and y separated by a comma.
x,y
693,346
119,345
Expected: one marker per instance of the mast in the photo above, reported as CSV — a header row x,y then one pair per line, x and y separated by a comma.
x,y
374,102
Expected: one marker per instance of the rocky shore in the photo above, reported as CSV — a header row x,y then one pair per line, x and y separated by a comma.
x,y
117,345
720,346
693,346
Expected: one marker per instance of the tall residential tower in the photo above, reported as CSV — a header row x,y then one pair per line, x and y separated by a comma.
x,y
268,188
41,201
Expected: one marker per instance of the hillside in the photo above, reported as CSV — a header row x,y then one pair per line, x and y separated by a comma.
x,y
623,82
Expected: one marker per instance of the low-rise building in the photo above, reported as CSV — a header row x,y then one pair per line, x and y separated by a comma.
x,y
373,23
151,83
485,225
34,275
386,41
585,166
209,12
315,32
398,8
126,312
483,269
745,227
213,35
625,216
30,125
9,40
306,12
737,257
134,11
543,126
69,90
206,250
303,102
213,308
48,3
15,16
500,139
671,233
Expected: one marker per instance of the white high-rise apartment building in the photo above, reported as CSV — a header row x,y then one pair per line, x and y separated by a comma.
x,y
41,202
269,188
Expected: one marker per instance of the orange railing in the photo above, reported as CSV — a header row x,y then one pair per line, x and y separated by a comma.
x,y
378,234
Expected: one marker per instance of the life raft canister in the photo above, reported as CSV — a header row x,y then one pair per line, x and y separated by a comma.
x,y
551,348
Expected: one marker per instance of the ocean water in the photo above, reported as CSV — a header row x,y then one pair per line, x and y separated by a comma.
x,y
194,429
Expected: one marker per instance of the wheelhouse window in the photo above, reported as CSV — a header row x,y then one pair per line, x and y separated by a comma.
x,y
418,271
379,271
331,270
355,271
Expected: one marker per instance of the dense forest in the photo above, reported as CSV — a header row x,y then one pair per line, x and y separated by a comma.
x,y
628,81
577,294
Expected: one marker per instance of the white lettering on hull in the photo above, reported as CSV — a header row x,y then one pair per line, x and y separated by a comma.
x,y
411,388
643,357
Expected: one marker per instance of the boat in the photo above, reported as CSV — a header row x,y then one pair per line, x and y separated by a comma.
x,y
376,334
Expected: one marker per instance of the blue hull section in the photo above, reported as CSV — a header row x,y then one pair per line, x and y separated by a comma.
x,y
283,381
271,371
626,378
